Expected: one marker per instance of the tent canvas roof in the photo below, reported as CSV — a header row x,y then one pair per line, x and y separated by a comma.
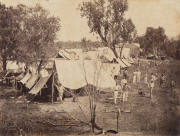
x,y
91,55
25,78
125,52
107,53
32,80
39,85
121,63
126,63
71,54
74,74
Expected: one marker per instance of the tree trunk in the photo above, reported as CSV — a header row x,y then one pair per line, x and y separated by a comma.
x,y
39,66
4,64
93,119
121,52
155,52
114,50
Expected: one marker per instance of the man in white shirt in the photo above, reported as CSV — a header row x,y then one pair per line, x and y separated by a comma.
x,y
117,89
151,84
138,75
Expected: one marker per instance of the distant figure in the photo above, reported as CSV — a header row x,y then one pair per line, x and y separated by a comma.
x,y
117,89
172,85
139,62
61,90
123,81
141,92
134,76
126,88
138,75
151,84
153,77
162,80
125,74
145,78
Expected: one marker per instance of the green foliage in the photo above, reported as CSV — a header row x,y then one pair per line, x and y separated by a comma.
x,y
106,18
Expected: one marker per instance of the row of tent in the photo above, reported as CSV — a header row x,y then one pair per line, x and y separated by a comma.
x,y
104,54
75,69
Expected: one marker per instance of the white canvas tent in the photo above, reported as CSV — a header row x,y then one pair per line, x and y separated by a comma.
x,y
107,53
70,54
125,54
121,63
91,55
125,62
74,74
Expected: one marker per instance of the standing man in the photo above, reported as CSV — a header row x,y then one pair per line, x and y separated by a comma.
x,y
117,89
172,85
138,75
125,75
162,79
134,76
145,78
151,84
61,90
123,81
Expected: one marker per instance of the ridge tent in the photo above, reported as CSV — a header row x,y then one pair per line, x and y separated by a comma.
x,y
126,63
70,54
31,81
122,64
41,83
74,74
91,55
125,54
107,53
25,78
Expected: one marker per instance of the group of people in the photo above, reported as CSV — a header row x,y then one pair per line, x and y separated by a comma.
x,y
121,89
151,82
163,83
137,79
136,76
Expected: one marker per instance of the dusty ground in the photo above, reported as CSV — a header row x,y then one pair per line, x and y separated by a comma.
x,y
142,116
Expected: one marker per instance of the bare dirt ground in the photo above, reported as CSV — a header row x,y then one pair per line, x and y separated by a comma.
x,y
142,116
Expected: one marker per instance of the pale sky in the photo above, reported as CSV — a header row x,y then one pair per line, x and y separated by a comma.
x,y
144,13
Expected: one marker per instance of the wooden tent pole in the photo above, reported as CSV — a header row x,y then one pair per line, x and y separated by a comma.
x,y
52,95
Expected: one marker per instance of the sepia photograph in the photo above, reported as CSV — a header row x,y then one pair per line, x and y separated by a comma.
x,y
89,67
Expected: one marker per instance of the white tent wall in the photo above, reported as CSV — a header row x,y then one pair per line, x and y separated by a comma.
x,y
75,74
107,53
125,52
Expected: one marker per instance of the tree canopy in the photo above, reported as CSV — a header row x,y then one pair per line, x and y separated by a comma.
x,y
106,18
154,40
27,33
